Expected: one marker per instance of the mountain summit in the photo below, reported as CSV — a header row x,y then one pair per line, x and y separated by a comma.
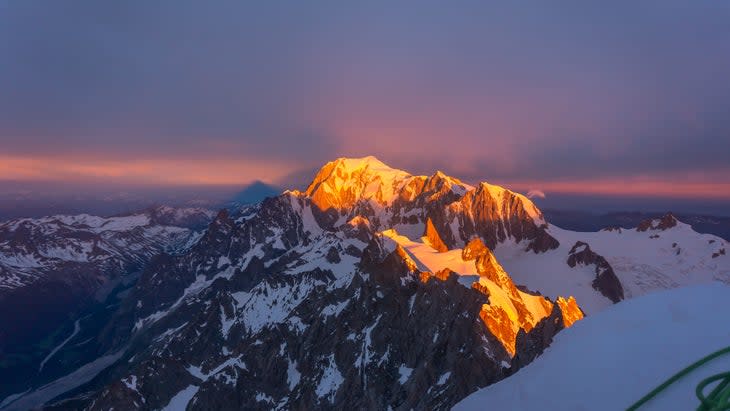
x,y
392,198
341,183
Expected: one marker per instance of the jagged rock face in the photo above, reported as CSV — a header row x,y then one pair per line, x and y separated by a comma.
x,y
51,266
504,320
303,302
391,198
570,310
474,249
494,214
226,250
659,224
529,345
606,281
386,336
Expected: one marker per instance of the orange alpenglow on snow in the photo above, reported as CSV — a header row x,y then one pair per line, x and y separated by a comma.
x,y
455,235
343,182
509,310
523,311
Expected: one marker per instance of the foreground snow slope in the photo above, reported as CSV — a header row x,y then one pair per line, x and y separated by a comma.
x,y
613,358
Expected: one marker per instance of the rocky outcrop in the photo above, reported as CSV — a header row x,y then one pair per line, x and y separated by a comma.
x,y
433,237
606,281
358,227
570,310
529,345
473,249
666,222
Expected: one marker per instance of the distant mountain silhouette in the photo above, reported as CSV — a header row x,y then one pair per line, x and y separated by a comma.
x,y
585,221
255,192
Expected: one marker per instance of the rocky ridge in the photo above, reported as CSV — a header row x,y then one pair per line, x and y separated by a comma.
x,y
390,198
606,281
306,301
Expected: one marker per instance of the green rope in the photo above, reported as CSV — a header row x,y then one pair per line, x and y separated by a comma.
x,y
717,400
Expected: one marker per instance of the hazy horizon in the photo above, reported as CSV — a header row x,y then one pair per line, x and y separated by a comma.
x,y
623,99
39,198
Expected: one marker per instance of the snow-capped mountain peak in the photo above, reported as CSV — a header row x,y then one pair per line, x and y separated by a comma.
x,y
341,183
392,198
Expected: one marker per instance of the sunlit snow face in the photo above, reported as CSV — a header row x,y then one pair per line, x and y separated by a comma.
x,y
508,309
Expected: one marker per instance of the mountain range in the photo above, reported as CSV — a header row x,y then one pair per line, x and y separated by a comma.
x,y
586,221
372,289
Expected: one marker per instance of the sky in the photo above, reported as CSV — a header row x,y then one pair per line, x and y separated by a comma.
x,y
621,98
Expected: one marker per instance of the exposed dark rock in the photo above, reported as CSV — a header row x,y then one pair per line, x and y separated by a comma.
x,y
333,256
606,281
526,290
543,242
532,344
353,251
664,223
358,227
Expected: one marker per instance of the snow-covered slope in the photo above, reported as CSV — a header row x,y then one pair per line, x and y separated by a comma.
x,y
611,359
643,261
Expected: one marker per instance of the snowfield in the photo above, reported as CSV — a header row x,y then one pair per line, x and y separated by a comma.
x,y
611,359
643,262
